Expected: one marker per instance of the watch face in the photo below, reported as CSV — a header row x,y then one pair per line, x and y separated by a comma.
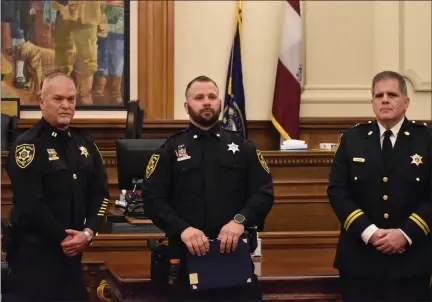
x,y
239,218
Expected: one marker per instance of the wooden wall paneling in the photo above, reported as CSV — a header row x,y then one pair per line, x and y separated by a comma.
x,y
156,59
262,133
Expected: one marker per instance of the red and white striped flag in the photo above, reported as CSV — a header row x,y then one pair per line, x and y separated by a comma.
x,y
286,102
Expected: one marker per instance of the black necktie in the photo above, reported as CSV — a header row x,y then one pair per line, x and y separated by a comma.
x,y
387,147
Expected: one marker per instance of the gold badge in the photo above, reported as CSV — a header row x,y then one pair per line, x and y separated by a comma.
x,y
181,153
84,151
262,161
151,166
416,159
24,155
52,154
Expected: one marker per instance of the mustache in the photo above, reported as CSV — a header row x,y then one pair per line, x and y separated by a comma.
x,y
207,109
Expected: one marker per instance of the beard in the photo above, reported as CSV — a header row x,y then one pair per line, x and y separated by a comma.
x,y
204,120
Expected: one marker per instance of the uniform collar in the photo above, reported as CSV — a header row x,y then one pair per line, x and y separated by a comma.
x,y
54,132
196,132
395,129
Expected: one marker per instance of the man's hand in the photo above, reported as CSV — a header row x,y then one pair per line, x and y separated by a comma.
x,y
229,236
195,240
76,243
380,233
393,242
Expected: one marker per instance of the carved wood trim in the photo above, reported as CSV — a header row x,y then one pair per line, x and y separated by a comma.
x,y
313,130
269,240
156,59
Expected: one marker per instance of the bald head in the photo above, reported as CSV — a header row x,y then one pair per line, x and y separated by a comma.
x,y
51,78
58,100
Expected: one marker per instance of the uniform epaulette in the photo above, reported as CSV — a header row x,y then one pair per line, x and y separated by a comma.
x,y
86,136
362,124
177,133
419,124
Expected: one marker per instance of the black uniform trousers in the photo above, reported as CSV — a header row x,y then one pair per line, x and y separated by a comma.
x,y
356,289
41,272
181,291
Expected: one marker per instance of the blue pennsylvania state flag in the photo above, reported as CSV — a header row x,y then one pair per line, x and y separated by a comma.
x,y
234,115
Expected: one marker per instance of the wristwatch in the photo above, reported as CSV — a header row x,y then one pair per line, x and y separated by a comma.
x,y
89,236
240,219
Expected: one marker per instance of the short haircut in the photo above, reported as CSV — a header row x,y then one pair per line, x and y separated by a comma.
x,y
51,77
390,75
201,78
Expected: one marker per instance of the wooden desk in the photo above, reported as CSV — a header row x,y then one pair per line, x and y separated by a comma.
x,y
131,282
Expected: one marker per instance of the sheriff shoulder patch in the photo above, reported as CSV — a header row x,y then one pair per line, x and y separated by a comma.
x,y
338,144
24,155
262,161
151,166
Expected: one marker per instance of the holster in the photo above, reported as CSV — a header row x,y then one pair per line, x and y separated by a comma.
x,y
159,262
10,240
252,234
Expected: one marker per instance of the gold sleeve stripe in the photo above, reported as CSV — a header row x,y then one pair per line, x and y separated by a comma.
x,y
354,218
99,214
422,221
351,217
424,228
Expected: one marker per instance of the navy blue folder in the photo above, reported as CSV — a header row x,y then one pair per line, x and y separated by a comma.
x,y
220,270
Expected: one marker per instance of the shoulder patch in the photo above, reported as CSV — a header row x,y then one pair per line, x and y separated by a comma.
x,y
262,161
24,155
100,154
338,144
151,166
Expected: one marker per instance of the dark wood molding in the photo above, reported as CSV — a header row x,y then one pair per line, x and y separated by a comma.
x,y
313,130
156,58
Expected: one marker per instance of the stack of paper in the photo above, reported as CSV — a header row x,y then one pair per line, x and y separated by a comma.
x,y
294,145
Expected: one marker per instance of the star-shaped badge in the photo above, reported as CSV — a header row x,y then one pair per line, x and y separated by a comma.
x,y
416,159
84,151
233,147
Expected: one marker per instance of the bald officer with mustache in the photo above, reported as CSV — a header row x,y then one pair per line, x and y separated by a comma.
x,y
60,194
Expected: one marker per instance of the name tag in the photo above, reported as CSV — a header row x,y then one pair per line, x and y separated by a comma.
x,y
358,159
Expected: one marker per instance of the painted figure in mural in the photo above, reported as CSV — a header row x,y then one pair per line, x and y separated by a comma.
x,y
42,19
75,42
14,28
111,55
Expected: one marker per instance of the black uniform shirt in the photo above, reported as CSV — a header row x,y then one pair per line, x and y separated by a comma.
x,y
203,178
58,182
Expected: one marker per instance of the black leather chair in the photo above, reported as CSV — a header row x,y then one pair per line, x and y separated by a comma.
x,y
9,126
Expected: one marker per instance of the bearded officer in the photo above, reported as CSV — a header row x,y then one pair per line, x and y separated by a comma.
x,y
207,182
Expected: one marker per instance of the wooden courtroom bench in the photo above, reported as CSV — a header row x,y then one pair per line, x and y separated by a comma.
x,y
131,282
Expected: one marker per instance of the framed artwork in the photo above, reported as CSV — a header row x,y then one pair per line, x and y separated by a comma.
x,y
10,106
87,39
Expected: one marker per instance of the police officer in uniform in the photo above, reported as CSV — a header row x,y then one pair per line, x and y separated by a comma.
x,y
207,182
380,189
60,195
